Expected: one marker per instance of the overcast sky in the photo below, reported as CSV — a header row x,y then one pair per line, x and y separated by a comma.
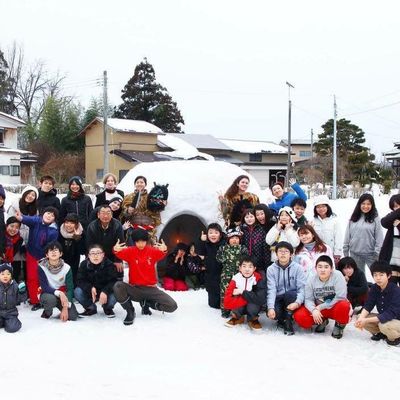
x,y
226,62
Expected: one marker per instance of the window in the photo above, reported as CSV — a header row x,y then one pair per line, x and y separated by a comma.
x,y
122,173
305,153
15,170
99,174
2,135
4,170
256,157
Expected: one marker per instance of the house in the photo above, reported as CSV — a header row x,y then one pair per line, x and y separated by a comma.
x,y
393,158
300,149
16,166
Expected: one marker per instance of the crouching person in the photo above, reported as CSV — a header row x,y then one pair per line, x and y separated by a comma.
x,y
241,295
325,298
56,284
11,295
142,286
385,295
96,278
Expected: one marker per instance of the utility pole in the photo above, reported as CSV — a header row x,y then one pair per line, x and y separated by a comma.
x,y
334,189
289,135
105,125
312,147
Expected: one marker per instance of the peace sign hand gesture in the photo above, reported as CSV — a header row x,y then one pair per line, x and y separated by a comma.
x,y
161,246
119,246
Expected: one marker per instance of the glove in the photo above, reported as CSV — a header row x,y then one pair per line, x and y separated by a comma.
x,y
22,287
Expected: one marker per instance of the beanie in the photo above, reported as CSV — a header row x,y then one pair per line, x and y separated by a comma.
x,y
6,267
78,181
234,232
322,199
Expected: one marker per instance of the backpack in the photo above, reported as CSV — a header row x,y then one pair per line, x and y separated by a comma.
x,y
156,196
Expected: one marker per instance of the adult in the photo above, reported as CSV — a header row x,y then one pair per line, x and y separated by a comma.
x,y
110,191
47,194
106,231
284,199
3,219
237,199
363,238
115,204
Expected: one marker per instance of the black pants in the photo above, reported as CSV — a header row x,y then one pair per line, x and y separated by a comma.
x,y
281,302
250,309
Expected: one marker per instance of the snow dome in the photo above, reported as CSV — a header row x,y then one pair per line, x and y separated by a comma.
x,y
194,186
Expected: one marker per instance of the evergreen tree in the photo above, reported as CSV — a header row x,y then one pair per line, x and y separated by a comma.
x,y
6,98
51,125
145,99
72,126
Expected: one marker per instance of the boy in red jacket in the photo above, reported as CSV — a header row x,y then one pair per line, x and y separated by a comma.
x,y
142,286
241,294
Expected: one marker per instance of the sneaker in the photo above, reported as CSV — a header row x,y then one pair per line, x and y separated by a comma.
x,y
45,315
109,312
378,336
145,308
254,324
288,327
338,329
394,342
36,307
234,321
87,313
321,327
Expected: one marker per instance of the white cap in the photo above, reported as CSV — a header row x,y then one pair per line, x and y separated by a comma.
x,y
322,199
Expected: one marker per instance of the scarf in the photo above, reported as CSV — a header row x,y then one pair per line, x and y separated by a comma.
x,y
54,269
75,195
309,246
10,243
72,235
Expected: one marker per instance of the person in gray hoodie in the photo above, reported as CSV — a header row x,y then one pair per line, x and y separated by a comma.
x,y
285,282
325,298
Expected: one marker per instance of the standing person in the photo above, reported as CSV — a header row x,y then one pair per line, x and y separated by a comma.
x,y
14,251
3,218
327,225
285,288
363,238
235,200
390,251
110,190
385,296
142,259
310,248
325,298
207,249
115,204
175,272
76,201
284,199
47,194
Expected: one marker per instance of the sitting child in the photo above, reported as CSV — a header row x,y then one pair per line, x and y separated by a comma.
x,y
235,299
11,295
175,273
385,296
56,286
195,269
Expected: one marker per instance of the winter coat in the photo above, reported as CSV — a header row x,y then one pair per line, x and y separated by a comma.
x,y
40,235
308,258
287,198
330,232
194,264
363,237
357,285
81,205
175,270
232,209
392,231
102,276
48,199
72,246
254,240
10,298
104,197
281,280
13,246
274,236
229,257
2,232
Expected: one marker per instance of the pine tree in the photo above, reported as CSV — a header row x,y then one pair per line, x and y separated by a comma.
x,y
51,125
6,98
145,99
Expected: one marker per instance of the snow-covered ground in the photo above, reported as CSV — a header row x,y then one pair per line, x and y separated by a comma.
x,y
190,354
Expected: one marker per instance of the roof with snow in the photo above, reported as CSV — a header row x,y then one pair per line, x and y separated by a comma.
x,y
9,121
204,142
253,146
16,151
307,141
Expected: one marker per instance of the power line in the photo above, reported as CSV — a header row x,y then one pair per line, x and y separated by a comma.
x,y
374,109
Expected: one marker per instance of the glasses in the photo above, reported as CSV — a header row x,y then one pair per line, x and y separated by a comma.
x,y
283,251
96,253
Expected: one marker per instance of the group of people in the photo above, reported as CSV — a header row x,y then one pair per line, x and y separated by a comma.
x,y
267,257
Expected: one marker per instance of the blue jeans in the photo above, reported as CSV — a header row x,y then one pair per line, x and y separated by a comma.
x,y
85,299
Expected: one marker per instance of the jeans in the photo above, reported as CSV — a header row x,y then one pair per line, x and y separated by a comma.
x,y
85,299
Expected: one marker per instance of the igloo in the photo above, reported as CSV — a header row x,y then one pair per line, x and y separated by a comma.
x,y
194,186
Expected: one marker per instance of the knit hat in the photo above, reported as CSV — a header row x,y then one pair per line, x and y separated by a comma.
x,y
115,198
289,211
231,232
12,220
322,199
139,234
6,267
29,188
72,217
78,181
2,192
284,245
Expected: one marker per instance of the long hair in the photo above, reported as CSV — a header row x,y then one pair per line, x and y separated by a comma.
x,y
28,208
319,247
370,215
329,212
233,190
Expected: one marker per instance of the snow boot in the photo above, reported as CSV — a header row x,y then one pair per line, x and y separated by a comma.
x,y
338,329
378,336
145,307
288,325
321,327
130,311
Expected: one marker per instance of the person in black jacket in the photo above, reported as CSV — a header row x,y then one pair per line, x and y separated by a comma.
x,y
2,221
110,191
47,194
357,285
97,276
76,201
390,251
115,205
175,272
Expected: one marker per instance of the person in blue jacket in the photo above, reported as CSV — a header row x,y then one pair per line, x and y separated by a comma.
x,y
283,198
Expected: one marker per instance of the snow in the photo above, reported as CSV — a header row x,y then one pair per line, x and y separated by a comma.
x,y
253,146
130,125
190,354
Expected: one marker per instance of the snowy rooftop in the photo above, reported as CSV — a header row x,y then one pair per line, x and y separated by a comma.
x,y
203,141
253,146
8,121
17,151
296,141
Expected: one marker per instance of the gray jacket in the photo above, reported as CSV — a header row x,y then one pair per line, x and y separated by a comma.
x,y
10,298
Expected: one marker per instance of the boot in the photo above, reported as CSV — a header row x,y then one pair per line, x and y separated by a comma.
x,y
145,307
288,325
130,311
321,327
338,329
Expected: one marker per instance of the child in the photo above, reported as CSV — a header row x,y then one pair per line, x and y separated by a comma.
x,y
56,286
207,249
13,249
229,256
11,295
390,251
195,269
42,230
385,296
97,276
283,231
325,297
47,194
142,259
235,299
174,278
285,280
357,285
299,207
284,199
72,242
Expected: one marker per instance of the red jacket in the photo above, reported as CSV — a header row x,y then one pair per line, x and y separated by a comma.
x,y
142,264
232,302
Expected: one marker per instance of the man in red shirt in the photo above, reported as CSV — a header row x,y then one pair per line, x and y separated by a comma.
x,y
142,286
